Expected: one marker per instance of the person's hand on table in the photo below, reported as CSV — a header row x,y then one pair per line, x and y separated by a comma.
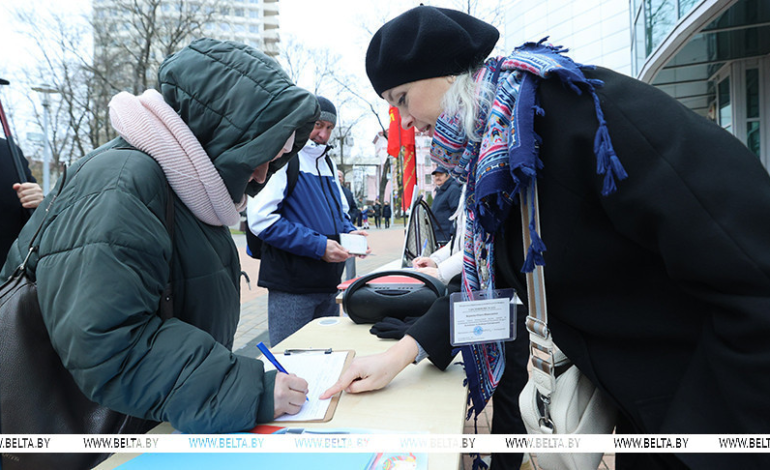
x,y
289,394
374,372
30,194
423,262
335,253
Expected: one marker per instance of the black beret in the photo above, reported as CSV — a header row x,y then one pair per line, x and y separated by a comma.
x,y
427,42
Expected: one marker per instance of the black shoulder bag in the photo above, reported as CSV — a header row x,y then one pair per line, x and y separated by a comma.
x,y
37,393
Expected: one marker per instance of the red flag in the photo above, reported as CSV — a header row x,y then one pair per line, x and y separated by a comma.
x,y
410,167
394,132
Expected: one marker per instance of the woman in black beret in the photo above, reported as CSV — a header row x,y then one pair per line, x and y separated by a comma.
x,y
656,223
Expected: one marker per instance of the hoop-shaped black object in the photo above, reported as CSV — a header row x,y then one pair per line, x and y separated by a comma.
x,y
365,303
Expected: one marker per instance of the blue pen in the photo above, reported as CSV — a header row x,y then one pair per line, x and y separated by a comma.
x,y
261,346
424,247
270,357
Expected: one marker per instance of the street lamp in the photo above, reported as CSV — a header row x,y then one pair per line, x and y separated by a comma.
x,y
46,90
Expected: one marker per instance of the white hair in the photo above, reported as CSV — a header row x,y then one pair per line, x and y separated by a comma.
x,y
464,99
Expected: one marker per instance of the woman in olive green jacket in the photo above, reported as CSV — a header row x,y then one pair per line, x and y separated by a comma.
x,y
225,117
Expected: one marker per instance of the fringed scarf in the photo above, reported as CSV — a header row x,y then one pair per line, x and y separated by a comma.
x,y
502,164
148,123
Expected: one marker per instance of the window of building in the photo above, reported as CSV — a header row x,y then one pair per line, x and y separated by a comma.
x,y
254,2
238,11
239,28
638,45
686,5
725,106
660,17
752,111
253,28
224,11
428,179
224,26
253,13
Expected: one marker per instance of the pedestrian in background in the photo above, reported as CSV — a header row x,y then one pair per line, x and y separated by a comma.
x,y
351,200
377,212
445,203
16,199
386,214
658,267
365,217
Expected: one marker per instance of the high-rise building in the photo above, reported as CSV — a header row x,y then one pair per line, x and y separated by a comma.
x,y
252,22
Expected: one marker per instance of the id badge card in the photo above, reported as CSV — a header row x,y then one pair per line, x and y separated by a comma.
x,y
486,317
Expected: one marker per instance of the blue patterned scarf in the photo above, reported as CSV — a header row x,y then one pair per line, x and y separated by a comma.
x,y
502,164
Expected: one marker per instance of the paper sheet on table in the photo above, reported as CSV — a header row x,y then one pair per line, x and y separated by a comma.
x,y
321,372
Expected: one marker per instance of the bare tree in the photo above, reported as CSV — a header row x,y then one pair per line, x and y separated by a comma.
x,y
60,42
317,70
89,60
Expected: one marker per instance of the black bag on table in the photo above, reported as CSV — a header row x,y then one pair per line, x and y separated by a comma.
x,y
37,393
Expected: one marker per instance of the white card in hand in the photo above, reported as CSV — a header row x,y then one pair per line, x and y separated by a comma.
x,y
355,244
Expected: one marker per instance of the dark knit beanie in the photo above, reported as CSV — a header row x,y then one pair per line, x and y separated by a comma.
x,y
427,42
328,111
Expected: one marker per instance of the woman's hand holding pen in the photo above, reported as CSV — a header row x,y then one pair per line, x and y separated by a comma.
x,y
426,265
290,393
423,262
374,372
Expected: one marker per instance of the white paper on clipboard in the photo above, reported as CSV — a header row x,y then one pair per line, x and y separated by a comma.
x,y
321,372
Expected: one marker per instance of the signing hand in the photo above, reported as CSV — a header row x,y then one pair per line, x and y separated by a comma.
x,y
423,262
30,194
374,372
289,394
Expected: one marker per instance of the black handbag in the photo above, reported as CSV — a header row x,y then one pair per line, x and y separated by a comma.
x,y
368,301
37,393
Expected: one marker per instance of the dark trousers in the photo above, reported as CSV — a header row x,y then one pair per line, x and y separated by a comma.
x,y
387,222
377,221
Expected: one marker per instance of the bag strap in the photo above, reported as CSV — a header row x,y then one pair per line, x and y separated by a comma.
x,y
21,269
166,309
542,348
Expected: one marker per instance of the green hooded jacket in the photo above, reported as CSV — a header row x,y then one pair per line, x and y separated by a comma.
x,y
105,253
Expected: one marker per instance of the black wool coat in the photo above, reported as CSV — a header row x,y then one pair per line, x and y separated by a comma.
x,y
444,206
660,292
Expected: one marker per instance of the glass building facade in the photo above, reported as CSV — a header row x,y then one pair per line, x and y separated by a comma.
x,y
711,55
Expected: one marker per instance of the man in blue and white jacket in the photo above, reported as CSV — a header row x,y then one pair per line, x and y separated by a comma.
x,y
299,222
